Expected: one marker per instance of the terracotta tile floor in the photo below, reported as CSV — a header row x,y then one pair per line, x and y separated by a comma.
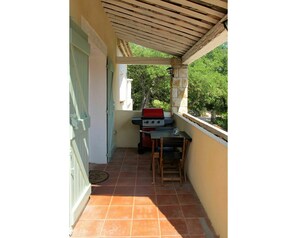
x,y
128,205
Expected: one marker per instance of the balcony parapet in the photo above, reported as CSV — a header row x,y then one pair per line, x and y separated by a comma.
x,y
212,129
207,168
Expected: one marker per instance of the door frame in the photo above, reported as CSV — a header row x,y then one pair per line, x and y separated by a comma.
x,y
98,129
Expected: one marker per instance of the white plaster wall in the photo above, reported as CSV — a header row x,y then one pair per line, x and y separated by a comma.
x,y
122,83
97,107
125,100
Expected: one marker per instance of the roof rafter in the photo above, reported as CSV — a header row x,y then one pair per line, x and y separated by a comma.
x,y
206,39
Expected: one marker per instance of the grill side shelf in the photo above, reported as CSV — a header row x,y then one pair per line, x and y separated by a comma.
x,y
136,120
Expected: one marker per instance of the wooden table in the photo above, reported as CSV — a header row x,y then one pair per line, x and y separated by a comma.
x,y
158,134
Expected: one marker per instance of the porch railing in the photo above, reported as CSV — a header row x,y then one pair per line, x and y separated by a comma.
x,y
214,130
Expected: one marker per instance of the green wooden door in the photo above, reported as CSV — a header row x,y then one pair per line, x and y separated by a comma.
x,y
80,188
110,111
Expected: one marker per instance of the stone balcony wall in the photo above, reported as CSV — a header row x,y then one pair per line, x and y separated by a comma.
x,y
179,87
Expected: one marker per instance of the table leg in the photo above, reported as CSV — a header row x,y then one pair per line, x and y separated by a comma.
x,y
186,150
153,160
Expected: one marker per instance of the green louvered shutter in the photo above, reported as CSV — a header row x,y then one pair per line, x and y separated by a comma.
x,y
80,188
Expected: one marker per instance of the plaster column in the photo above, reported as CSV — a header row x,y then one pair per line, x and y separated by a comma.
x,y
179,87
129,99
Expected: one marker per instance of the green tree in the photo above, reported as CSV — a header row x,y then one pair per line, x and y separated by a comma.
x,y
208,84
151,84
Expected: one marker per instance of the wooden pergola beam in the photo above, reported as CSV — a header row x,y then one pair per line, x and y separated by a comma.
x,y
144,60
218,31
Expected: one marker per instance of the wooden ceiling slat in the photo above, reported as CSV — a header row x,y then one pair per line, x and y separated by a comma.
x,y
154,39
180,24
217,3
124,48
184,11
155,43
150,36
152,22
199,7
144,29
151,30
149,44
159,42
178,49
159,10
161,18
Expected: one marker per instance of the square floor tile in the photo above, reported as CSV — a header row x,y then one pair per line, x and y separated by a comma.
x,y
131,174
167,200
129,168
116,228
145,237
100,199
124,190
145,212
185,188
145,228
167,189
103,190
188,199
145,200
110,181
113,174
197,236
176,236
87,228
191,211
122,200
113,167
194,227
144,190
130,181
144,181
173,227
172,211
119,212
144,173
94,212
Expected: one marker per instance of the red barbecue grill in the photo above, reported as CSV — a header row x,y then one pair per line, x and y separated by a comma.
x,y
151,119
